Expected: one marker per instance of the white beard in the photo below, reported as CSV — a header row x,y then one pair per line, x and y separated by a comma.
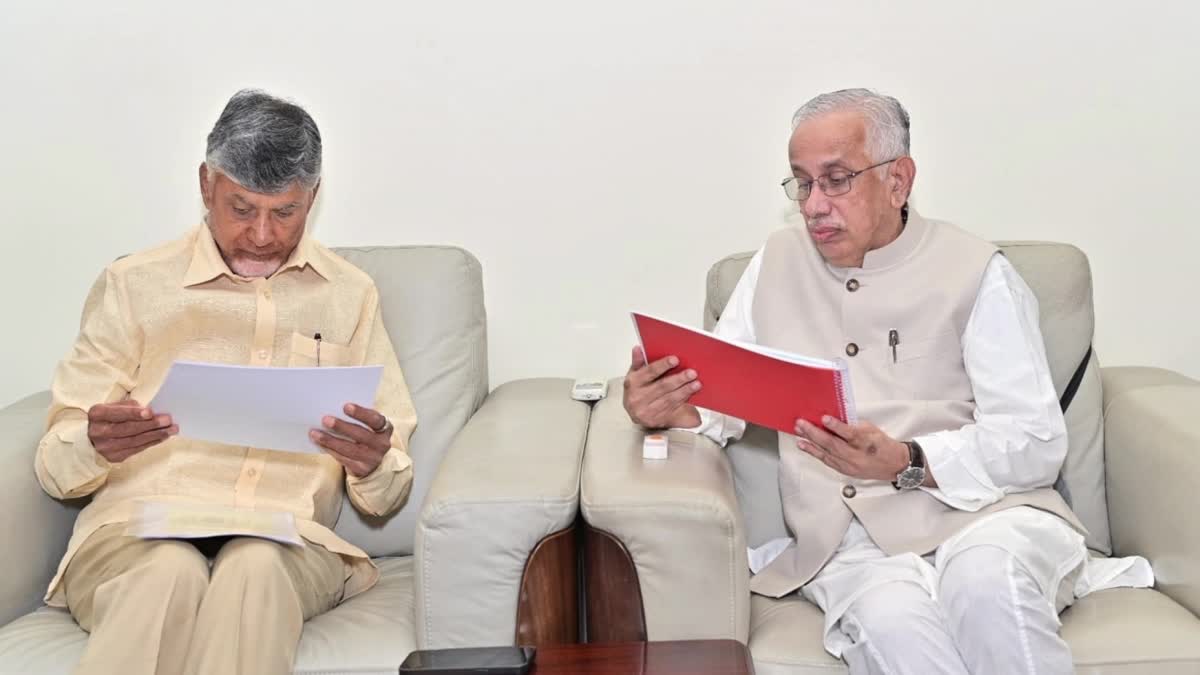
x,y
252,269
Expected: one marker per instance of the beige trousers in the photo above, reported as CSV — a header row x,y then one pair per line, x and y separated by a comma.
x,y
161,607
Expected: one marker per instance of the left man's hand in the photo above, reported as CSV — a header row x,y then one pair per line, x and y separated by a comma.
x,y
362,449
859,450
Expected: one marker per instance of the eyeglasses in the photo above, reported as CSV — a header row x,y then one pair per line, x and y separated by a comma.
x,y
832,184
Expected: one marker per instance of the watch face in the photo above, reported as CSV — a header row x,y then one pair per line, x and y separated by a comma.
x,y
911,477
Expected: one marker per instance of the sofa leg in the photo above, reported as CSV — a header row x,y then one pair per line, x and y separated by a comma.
x,y
613,598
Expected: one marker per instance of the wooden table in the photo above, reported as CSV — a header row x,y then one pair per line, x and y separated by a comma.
x,y
688,657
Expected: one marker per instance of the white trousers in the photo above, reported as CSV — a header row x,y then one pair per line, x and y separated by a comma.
x,y
987,601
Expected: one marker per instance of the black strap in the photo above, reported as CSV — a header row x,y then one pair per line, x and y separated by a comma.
x,y
1073,385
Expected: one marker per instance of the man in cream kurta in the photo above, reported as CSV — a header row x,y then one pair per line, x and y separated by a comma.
x,y
246,287
928,532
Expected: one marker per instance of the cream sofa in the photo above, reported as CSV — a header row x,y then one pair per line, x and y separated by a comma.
x,y
667,540
496,476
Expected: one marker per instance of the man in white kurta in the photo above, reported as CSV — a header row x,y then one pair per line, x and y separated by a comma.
x,y
1008,554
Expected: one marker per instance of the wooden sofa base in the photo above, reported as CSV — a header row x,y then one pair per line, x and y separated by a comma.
x,y
613,609
548,605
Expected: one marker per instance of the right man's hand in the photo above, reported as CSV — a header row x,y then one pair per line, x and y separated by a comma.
x,y
658,402
120,430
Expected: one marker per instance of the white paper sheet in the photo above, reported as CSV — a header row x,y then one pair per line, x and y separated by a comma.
x,y
272,408
182,520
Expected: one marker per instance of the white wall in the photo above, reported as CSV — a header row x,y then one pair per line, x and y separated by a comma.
x,y
644,137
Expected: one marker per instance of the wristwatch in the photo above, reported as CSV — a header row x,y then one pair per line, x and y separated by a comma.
x,y
914,474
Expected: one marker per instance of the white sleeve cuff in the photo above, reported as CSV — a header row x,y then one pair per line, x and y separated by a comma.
x,y
720,428
959,484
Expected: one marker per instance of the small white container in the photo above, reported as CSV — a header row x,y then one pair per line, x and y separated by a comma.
x,y
654,447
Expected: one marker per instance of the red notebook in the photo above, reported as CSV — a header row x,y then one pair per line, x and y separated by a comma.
x,y
764,386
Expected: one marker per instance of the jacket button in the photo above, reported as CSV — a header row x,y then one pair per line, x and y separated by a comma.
x,y
852,285
849,491
851,349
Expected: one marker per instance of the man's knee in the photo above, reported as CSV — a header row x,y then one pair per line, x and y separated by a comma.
x,y
977,582
171,571
172,564
999,614
259,559
889,615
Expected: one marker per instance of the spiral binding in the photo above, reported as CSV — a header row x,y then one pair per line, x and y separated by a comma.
x,y
845,392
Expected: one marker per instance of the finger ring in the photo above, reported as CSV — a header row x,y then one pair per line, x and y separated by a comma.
x,y
387,426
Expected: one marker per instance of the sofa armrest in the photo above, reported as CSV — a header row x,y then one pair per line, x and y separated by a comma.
x,y
678,519
509,479
35,527
1152,458
1116,380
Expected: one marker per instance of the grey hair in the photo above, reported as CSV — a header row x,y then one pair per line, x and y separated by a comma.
x,y
887,120
265,143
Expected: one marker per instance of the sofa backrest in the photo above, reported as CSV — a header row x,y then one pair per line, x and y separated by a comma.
x,y
432,303
1061,279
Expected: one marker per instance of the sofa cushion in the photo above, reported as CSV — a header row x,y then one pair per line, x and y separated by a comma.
x,y
1116,632
369,634
432,303
47,641
1061,279
785,637
755,460
1132,631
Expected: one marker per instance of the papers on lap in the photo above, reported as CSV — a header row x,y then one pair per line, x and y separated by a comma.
x,y
269,408
182,520
764,386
